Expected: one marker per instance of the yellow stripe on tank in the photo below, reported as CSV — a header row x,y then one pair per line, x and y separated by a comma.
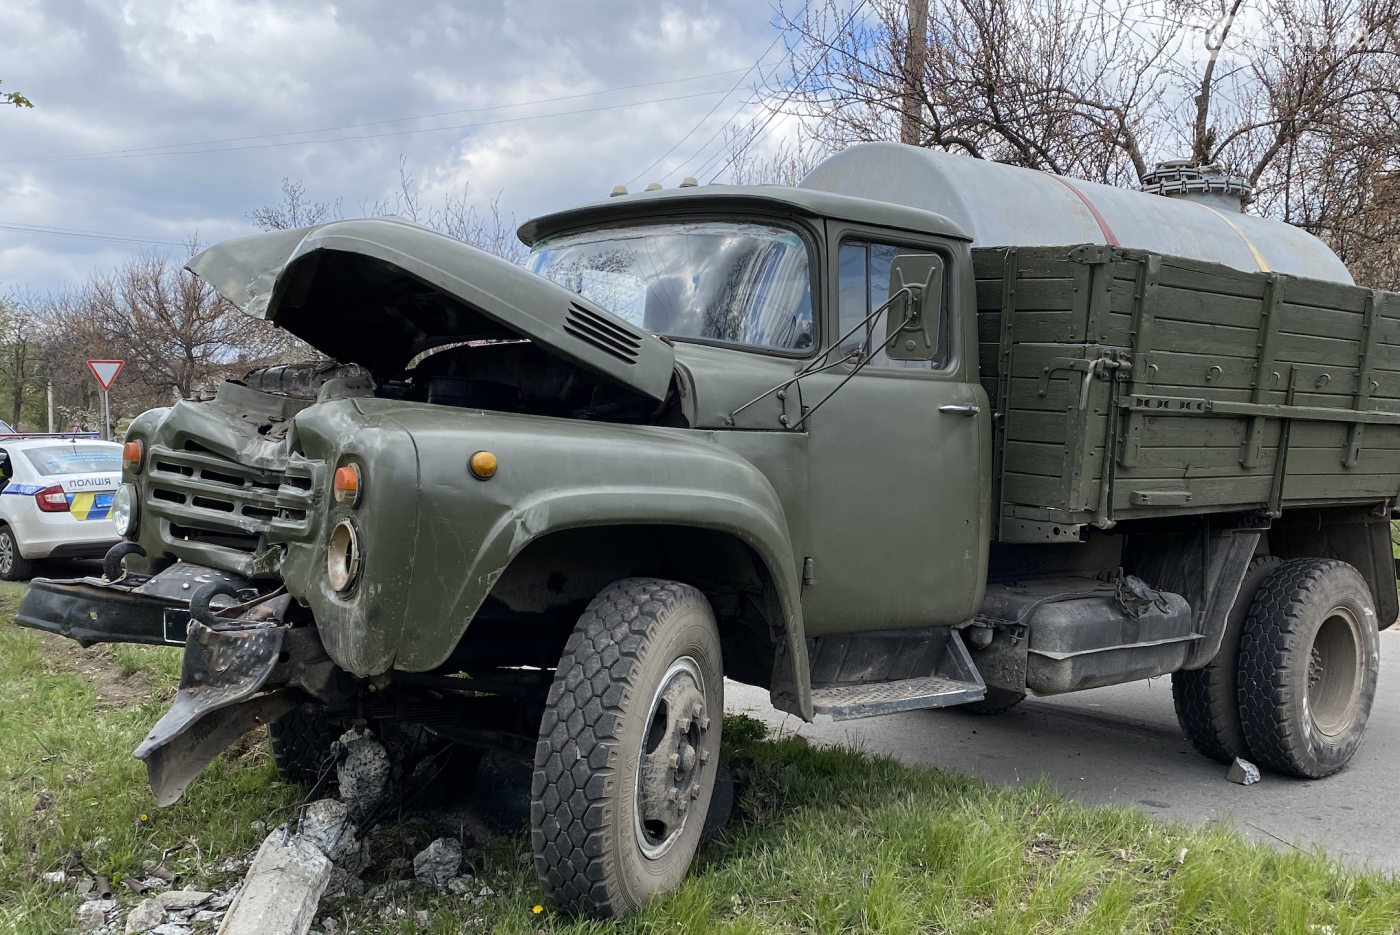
x,y
1258,257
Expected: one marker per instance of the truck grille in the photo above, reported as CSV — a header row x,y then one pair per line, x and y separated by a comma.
x,y
214,503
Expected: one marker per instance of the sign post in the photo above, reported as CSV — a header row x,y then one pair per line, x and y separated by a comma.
x,y
105,371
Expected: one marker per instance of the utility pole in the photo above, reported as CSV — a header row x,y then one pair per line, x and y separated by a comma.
x,y
915,51
50,407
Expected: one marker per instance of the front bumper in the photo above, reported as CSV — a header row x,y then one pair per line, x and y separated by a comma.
x,y
238,671
135,609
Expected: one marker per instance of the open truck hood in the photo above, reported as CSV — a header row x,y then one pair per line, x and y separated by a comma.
x,y
379,291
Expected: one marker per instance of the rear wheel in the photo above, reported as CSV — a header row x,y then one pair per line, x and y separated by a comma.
x,y
13,566
628,750
1309,659
1207,699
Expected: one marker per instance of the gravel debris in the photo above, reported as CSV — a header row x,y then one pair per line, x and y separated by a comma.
x,y
147,915
438,862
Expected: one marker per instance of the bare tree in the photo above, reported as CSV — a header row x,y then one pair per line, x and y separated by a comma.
x,y
21,351
1301,97
457,217
784,165
177,336
294,210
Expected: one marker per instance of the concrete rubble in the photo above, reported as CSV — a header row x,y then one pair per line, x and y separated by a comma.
x,y
321,855
438,863
1243,772
364,773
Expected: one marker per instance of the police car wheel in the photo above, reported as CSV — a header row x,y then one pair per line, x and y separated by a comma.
x,y
13,566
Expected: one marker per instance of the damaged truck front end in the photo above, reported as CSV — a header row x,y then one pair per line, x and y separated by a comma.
x,y
321,536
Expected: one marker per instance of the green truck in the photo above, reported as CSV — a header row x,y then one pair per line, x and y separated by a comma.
x,y
824,440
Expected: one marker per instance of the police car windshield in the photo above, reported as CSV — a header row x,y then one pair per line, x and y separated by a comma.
x,y
720,281
74,459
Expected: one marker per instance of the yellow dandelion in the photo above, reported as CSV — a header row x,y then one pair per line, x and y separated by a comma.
x,y
144,818
537,910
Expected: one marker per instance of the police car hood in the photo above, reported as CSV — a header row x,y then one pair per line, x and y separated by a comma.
x,y
380,291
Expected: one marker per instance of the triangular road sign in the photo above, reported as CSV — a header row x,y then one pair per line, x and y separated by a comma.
x,y
106,371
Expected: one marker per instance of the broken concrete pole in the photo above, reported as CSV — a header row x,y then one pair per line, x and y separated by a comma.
x,y
282,889
326,824
1243,772
145,916
364,773
438,862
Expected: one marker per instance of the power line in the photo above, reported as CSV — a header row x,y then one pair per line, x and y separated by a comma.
x,y
701,121
791,92
18,227
375,136
157,150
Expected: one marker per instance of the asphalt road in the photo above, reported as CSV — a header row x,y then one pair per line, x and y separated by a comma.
x,y
1121,745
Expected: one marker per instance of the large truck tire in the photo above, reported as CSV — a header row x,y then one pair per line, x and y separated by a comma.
x,y
1207,699
628,749
301,743
1309,658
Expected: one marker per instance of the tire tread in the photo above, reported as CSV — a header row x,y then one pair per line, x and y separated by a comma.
x,y
1267,649
576,759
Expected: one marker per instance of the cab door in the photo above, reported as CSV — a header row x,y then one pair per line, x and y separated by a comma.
x,y
899,470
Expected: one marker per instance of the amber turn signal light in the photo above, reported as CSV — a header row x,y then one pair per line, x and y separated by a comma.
x,y
346,485
483,464
133,453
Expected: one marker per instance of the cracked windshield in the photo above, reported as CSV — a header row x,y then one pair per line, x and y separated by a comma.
x,y
707,280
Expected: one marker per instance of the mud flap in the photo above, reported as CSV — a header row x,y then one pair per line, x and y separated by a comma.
x,y
223,671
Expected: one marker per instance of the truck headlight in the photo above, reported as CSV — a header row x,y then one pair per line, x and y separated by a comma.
x,y
124,510
343,556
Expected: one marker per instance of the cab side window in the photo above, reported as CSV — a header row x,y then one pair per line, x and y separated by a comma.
x,y
863,285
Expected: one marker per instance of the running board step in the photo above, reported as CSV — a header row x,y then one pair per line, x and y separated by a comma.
x,y
848,702
954,678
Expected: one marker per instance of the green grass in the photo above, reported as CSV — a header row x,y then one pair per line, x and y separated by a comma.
x,y
824,840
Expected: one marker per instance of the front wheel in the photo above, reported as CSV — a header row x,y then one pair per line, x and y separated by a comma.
x,y
628,749
13,566
1308,664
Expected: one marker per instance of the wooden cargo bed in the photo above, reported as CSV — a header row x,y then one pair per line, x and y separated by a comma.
x,y
1190,387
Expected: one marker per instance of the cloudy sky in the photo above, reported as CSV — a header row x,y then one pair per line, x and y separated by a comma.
x,y
161,119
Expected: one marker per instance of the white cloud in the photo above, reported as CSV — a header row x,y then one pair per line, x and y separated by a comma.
x,y
144,74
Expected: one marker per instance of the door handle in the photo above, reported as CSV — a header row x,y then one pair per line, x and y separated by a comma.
x,y
960,410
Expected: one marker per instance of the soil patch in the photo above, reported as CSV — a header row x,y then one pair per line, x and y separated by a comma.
x,y
98,666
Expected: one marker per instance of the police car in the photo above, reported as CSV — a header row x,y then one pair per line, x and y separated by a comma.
x,y
55,499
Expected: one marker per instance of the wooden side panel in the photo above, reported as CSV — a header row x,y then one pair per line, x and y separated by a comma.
x,y
1210,333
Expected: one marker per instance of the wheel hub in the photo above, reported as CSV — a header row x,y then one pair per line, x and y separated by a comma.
x,y
672,757
1334,675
